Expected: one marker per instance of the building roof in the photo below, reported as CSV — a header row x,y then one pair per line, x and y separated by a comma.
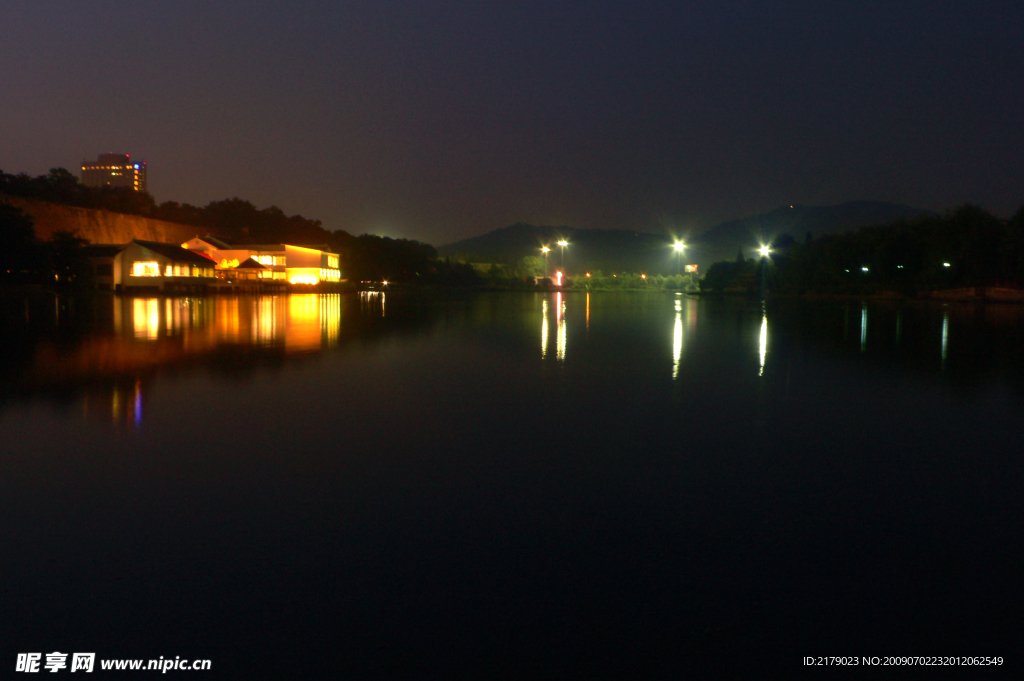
x,y
174,252
103,250
215,242
258,247
250,264
280,247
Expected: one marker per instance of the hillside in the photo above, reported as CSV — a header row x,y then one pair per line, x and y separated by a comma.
x,y
100,226
622,250
722,241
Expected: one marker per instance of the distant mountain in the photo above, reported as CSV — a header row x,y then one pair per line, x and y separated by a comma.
x,y
629,251
723,241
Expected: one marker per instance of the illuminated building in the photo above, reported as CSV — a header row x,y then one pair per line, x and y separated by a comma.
x,y
284,262
157,266
114,170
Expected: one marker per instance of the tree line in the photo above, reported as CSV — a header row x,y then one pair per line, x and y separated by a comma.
x,y
234,220
964,247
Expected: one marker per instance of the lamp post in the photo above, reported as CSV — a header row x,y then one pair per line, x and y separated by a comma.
x,y
680,247
562,243
545,250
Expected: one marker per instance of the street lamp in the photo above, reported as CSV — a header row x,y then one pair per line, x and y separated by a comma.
x,y
545,250
764,251
679,246
562,244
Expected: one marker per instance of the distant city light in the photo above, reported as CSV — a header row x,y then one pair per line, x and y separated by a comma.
x,y
544,249
764,251
863,269
563,243
679,246
945,264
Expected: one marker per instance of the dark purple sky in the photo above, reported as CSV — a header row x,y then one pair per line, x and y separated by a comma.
x,y
440,120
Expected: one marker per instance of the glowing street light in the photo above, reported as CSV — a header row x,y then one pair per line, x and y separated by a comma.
x,y
679,247
545,250
764,251
562,243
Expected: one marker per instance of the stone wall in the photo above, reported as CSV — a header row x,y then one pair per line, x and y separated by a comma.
x,y
100,226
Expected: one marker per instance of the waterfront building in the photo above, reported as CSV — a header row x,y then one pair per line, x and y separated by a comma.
x,y
114,170
284,262
150,265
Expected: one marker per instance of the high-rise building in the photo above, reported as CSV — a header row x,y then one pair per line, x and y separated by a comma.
x,y
114,170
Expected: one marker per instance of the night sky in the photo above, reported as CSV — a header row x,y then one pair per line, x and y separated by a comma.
x,y
442,120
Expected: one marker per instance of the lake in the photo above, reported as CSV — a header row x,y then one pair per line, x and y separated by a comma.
x,y
520,485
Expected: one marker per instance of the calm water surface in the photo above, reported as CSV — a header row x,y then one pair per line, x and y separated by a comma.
x,y
509,485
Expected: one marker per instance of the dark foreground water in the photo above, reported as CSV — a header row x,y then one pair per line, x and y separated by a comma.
x,y
510,486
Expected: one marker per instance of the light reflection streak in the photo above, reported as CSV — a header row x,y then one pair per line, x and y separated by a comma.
x,y
367,298
138,403
544,329
330,318
945,337
677,340
763,340
263,330
303,332
561,333
863,328
146,318
588,310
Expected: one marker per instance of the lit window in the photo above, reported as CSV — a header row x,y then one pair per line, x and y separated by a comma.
x,y
145,269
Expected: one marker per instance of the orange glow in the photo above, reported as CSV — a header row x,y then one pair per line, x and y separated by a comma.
x,y
304,275
146,318
302,334
147,268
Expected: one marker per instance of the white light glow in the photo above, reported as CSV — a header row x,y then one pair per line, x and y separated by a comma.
x,y
677,340
863,328
561,334
544,329
763,341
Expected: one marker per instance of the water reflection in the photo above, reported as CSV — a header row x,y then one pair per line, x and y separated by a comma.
x,y
560,334
369,300
763,339
544,328
106,356
146,318
945,337
863,327
111,367
677,339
